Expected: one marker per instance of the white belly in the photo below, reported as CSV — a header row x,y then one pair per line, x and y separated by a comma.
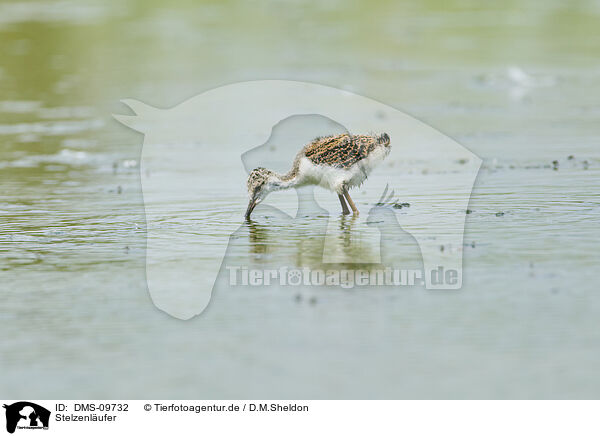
x,y
334,179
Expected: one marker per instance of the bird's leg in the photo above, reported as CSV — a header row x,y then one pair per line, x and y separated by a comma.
x,y
350,202
345,210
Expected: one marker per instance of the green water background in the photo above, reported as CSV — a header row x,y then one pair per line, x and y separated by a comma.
x,y
515,82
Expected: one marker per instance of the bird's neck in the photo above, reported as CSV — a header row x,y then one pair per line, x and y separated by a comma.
x,y
287,180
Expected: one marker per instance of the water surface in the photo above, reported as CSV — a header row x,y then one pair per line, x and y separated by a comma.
x,y
516,84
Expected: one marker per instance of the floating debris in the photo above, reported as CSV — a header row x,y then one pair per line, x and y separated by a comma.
x,y
586,164
462,161
571,157
313,300
468,211
298,298
555,165
499,213
119,189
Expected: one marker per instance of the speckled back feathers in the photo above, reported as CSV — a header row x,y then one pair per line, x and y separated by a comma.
x,y
343,151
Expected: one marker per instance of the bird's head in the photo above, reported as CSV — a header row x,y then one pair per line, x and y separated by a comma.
x,y
261,182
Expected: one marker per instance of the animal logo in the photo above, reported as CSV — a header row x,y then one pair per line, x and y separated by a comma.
x,y
191,172
26,415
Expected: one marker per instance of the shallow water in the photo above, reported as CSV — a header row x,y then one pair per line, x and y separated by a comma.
x,y
516,85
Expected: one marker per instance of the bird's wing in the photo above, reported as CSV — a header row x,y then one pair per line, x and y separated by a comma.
x,y
340,151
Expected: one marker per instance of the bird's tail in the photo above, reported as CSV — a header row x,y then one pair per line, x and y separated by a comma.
x,y
384,139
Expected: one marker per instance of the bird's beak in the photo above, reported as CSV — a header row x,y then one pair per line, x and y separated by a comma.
x,y
251,205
